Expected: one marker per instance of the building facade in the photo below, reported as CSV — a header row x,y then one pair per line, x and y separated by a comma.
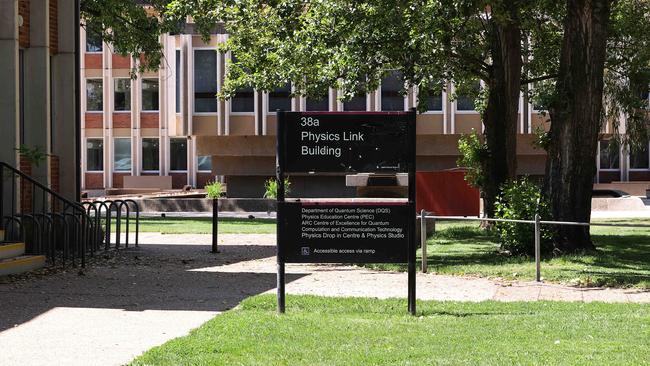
x,y
169,123
37,96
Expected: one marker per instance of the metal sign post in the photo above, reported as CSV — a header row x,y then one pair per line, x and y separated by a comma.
x,y
346,230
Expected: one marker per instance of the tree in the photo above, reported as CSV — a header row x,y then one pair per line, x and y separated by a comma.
x,y
599,40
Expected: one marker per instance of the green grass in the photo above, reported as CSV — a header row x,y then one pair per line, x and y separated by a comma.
x,y
359,331
622,258
201,225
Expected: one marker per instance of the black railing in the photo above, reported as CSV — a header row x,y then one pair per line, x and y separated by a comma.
x,y
51,225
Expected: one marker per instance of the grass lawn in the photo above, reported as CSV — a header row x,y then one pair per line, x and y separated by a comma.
x,y
360,331
201,225
622,259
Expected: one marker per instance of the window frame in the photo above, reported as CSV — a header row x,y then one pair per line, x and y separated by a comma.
x,y
629,155
380,99
599,159
187,150
201,170
268,101
179,74
86,94
465,111
87,169
193,96
86,44
143,170
130,154
142,79
443,96
115,80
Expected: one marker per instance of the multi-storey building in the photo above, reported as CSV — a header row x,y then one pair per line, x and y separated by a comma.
x,y
169,123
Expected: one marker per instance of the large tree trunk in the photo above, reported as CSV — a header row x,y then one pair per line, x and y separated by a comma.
x,y
576,121
501,113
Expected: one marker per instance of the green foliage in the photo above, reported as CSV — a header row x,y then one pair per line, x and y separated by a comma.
x,y
521,200
541,138
34,155
213,190
472,152
271,188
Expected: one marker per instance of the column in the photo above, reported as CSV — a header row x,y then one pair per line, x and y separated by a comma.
x,y
9,72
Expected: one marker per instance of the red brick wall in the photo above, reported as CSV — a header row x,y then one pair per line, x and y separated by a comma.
x,y
94,180
93,60
121,120
54,27
118,179
25,186
23,32
149,120
121,62
202,179
609,176
640,175
94,120
179,180
55,178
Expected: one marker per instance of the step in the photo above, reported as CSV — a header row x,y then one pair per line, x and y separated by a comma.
x,y
21,264
11,250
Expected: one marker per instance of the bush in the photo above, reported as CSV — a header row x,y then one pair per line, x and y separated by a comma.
x,y
521,199
271,188
472,152
213,190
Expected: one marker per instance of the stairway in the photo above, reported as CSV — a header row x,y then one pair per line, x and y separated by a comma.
x,y
13,259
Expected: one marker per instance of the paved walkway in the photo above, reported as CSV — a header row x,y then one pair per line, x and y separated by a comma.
x,y
120,307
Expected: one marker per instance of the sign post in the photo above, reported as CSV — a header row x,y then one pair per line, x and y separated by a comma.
x,y
360,230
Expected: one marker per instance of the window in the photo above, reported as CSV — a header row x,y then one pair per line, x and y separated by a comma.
x,y
205,163
122,155
178,154
179,70
93,41
149,94
94,95
94,155
318,103
609,155
150,154
639,158
280,98
466,102
122,95
243,101
433,99
391,86
205,81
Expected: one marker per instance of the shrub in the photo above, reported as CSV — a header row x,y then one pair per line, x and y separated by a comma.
x,y
213,190
271,188
472,152
521,199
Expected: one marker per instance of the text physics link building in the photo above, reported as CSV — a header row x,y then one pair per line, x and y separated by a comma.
x,y
169,124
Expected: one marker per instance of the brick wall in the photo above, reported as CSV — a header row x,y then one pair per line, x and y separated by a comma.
x,y
94,120
54,26
202,179
121,62
640,175
121,120
94,180
23,32
609,176
179,180
93,60
149,120
55,178
118,179
25,186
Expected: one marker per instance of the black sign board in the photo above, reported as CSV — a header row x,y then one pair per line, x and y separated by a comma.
x,y
323,232
350,231
344,142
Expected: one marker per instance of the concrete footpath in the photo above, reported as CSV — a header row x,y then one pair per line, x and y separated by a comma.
x,y
125,304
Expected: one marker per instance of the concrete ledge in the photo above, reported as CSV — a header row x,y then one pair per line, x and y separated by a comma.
x,y
618,204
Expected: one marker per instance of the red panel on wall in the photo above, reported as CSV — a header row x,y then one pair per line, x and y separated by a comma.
x,y
446,193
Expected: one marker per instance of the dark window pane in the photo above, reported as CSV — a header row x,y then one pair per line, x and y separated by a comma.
x,y
318,104
122,155
434,100
205,81
357,103
149,94
122,101
94,95
639,158
280,98
205,163
178,154
609,155
93,41
466,102
178,81
391,99
150,154
243,101
94,154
